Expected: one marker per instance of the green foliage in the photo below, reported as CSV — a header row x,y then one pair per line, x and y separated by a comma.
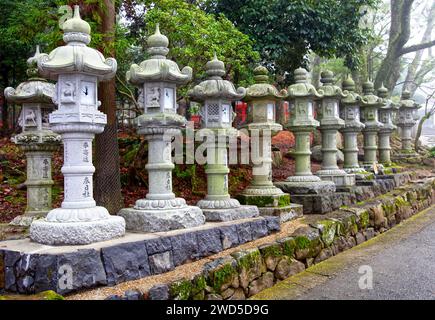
x,y
432,152
284,31
195,35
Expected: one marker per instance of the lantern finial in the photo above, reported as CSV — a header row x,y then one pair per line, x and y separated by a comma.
x,y
368,87
32,63
261,74
158,44
327,77
215,68
301,75
76,24
382,91
348,84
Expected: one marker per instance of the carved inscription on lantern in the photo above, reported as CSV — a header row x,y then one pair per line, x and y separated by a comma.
x,y
45,168
153,97
67,92
85,152
86,192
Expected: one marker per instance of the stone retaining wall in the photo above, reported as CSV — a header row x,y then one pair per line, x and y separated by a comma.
x,y
245,273
42,268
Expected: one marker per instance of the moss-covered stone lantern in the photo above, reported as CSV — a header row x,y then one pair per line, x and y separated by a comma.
x,y
302,96
158,78
330,123
216,95
406,120
262,98
370,105
386,117
350,112
77,69
36,140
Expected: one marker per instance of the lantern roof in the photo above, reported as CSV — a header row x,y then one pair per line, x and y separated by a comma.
x,y
215,87
407,102
383,94
262,89
35,89
158,67
329,89
76,56
352,97
302,87
369,99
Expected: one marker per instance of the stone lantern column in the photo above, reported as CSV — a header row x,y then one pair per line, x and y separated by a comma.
x,y
216,96
36,140
262,99
301,97
77,69
370,104
350,112
330,123
406,121
158,78
386,118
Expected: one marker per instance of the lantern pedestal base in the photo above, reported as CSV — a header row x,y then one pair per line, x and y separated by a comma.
x,y
77,233
306,187
226,210
339,177
26,219
277,204
157,220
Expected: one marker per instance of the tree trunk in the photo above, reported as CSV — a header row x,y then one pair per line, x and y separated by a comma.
x,y
107,175
419,130
411,81
5,106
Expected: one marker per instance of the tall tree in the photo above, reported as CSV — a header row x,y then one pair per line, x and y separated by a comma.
x,y
285,31
107,185
399,34
418,69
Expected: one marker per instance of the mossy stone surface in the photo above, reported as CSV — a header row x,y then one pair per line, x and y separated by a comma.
x,y
181,290
44,295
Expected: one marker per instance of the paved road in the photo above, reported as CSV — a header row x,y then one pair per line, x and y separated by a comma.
x,y
402,260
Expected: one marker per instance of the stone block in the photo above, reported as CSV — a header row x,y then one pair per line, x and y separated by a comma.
x,y
209,242
259,229
229,236
250,266
244,232
161,262
221,273
264,282
126,261
184,248
158,245
273,224
87,270
287,267
159,292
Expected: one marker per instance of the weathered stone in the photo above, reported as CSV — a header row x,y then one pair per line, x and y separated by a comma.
x,y
264,282
213,296
308,243
133,295
161,262
287,267
229,236
244,232
250,265
184,248
159,292
124,262
10,280
180,290
259,229
46,273
87,270
369,233
317,155
326,253
114,297
288,246
158,245
221,273
273,223
209,242
227,293
239,294
271,253
327,229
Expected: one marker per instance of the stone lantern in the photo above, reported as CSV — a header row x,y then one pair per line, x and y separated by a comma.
x,y
216,96
262,99
386,117
36,140
406,120
330,123
301,96
158,78
77,69
350,112
370,104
